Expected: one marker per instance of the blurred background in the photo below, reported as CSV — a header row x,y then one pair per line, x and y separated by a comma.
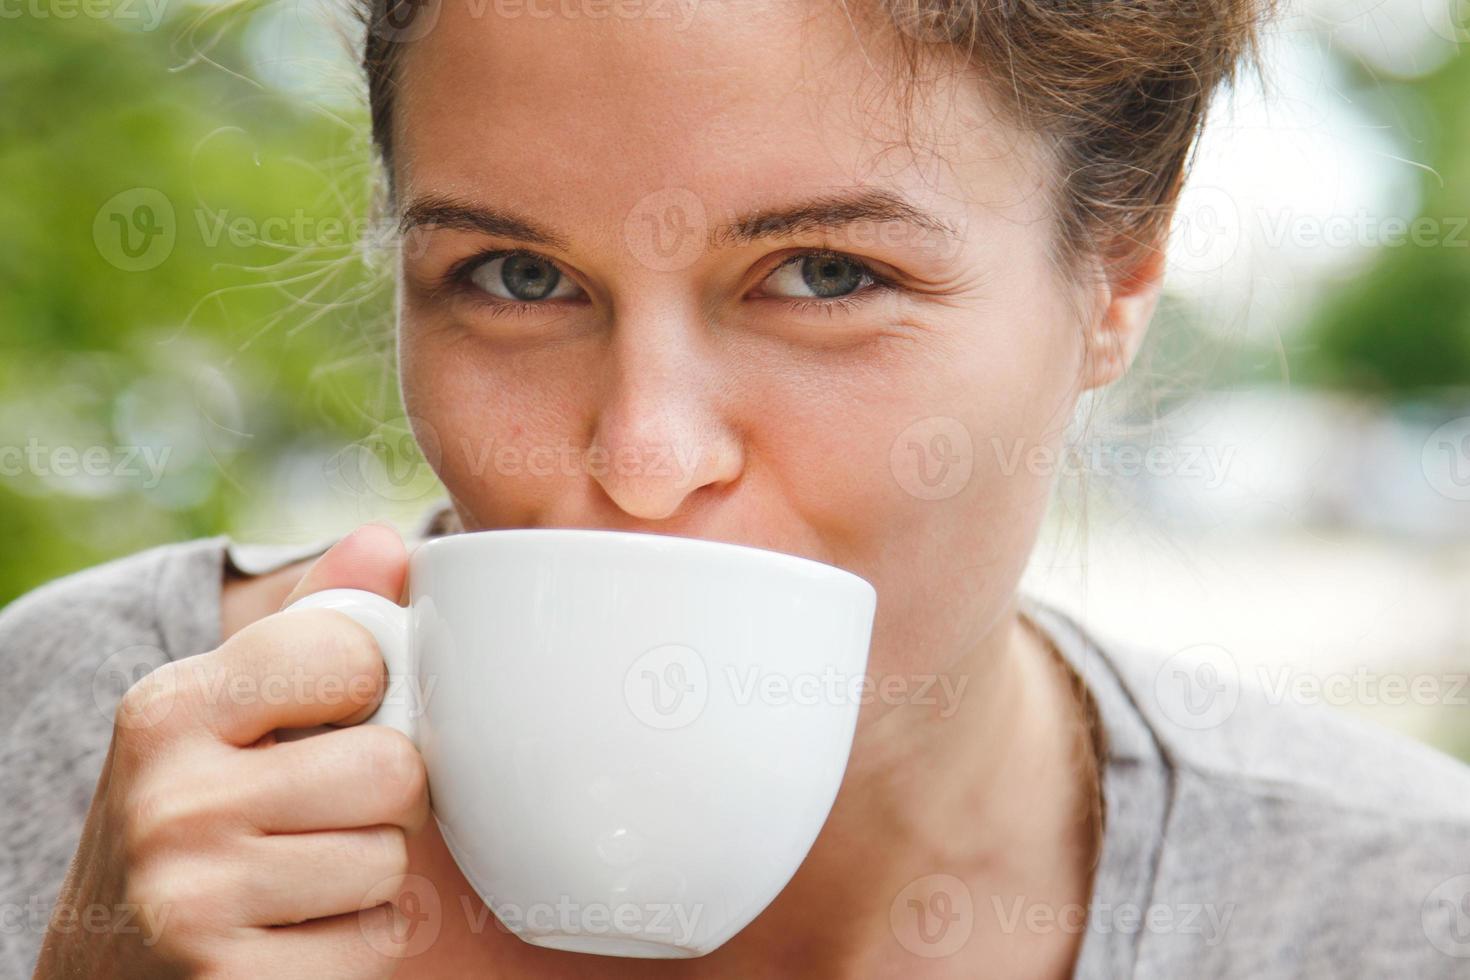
x,y
196,337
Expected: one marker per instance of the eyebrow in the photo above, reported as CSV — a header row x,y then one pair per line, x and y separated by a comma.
x,y
829,213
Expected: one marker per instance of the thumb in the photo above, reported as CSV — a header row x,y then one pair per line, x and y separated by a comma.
x,y
372,558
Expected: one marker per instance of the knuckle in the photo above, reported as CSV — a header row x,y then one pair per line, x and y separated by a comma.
x,y
161,819
389,769
148,702
148,886
356,655
350,645
177,899
397,768
139,695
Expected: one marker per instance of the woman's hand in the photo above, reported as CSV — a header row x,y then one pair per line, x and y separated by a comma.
x,y
218,851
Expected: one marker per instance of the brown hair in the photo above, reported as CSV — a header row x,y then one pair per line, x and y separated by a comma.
x,y
1118,89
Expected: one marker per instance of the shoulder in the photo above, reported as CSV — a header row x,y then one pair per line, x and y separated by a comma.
x,y
1314,841
142,607
1274,733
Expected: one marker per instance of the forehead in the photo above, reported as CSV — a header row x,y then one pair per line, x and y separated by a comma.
x,y
585,104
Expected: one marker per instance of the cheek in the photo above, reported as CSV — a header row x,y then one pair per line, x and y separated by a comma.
x,y
1023,403
498,420
816,433
969,455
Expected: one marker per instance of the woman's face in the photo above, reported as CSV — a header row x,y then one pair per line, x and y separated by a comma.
x,y
669,349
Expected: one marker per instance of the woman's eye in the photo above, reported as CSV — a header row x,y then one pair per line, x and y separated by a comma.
x,y
521,278
818,275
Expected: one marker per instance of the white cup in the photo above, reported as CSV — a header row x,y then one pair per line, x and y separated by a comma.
x,y
632,740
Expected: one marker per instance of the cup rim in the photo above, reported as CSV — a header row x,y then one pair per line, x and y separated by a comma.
x,y
656,540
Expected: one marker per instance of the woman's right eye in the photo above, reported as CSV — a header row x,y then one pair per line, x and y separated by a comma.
x,y
518,277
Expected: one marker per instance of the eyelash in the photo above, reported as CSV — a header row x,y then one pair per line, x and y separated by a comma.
x,y
458,279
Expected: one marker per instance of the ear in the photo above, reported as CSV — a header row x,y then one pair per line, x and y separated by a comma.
x,y
1125,305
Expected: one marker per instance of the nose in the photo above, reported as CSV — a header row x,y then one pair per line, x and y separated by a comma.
x,y
661,434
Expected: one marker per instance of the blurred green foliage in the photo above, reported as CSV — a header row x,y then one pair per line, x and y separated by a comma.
x,y
262,335
1404,326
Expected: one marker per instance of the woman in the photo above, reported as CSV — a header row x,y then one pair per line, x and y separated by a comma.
x,y
758,270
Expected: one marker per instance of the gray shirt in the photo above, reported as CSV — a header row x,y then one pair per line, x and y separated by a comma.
x,y
1245,836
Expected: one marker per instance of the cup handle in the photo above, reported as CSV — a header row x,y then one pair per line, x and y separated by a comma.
x,y
388,622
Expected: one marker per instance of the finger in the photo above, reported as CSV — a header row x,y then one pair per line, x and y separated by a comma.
x,y
362,945
372,558
291,878
347,777
288,670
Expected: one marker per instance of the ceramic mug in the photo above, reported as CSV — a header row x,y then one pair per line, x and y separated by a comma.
x,y
632,740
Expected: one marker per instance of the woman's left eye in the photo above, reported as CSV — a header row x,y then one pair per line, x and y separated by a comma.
x,y
519,277
820,276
